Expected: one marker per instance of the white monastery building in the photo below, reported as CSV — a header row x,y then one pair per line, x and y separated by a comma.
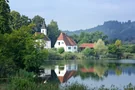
x,y
45,41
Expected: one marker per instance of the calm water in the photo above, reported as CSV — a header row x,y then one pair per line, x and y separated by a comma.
x,y
92,74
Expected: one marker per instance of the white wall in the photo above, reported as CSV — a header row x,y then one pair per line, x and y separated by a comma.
x,y
62,44
60,72
72,49
68,67
46,44
44,31
66,48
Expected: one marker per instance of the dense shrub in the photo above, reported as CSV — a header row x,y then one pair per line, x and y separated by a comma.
x,y
54,49
133,49
22,80
127,55
76,86
53,55
69,56
25,81
111,55
88,52
61,50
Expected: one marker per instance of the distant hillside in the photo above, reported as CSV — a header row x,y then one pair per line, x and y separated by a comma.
x,y
114,29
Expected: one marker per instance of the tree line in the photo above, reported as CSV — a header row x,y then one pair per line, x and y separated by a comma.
x,y
103,46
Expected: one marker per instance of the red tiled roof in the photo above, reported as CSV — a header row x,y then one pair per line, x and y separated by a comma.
x,y
87,70
68,41
67,76
89,45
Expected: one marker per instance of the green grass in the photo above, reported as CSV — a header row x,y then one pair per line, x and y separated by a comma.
x,y
75,86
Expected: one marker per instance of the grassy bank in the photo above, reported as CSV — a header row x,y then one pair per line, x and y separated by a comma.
x,y
75,86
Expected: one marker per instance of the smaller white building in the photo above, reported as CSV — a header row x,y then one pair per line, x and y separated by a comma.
x,y
66,42
44,41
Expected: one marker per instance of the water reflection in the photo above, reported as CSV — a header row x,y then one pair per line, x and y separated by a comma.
x,y
91,73
65,72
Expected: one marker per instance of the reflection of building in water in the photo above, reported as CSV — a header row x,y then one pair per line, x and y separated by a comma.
x,y
45,72
65,72
85,70
46,75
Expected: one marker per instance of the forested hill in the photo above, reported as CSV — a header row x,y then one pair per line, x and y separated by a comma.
x,y
114,29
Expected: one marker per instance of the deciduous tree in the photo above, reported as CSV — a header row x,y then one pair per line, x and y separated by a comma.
x,y
100,47
53,32
4,17
37,20
118,43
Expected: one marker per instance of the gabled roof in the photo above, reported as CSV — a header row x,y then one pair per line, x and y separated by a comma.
x,y
44,36
68,41
85,45
43,25
67,76
37,33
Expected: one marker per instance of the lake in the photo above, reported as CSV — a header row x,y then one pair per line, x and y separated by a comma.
x,y
91,73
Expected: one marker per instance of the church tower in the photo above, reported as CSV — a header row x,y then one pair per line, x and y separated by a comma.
x,y
43,28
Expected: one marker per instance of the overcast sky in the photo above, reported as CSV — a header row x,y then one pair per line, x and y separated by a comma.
x,y
76,14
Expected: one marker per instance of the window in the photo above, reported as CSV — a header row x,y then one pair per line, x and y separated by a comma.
x,y
62,42
42,31
69,47
58,43
74,47
69,67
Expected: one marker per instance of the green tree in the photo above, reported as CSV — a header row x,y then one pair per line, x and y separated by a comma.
x,y
88,52
18,21
75,38
112,49
53,32
15,21
119,52
4,17
91,37
37,20
118,43
133,49
18,50
100,47
25,20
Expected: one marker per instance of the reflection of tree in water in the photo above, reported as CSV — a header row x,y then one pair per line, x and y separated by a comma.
x,y
87,75
100,70
95,71
118,71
